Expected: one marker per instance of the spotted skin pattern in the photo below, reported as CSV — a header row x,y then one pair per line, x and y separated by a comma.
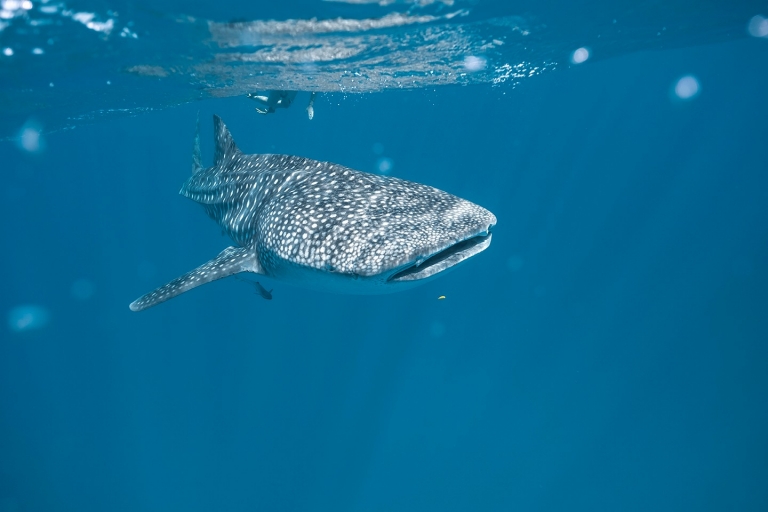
x,y
231,261
322,224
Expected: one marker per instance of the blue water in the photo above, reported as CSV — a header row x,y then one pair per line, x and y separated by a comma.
x,y
607,352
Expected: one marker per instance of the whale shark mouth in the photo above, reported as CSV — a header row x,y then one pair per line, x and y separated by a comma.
x,y
443,260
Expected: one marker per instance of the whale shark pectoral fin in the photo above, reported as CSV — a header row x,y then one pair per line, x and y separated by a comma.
x,y
231,260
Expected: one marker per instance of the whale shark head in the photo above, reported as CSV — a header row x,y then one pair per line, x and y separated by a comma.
x,y
325,226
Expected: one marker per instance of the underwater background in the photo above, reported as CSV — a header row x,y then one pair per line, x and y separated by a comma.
x,y
608,351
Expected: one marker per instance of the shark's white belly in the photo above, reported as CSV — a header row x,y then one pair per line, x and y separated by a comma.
x,y
308,277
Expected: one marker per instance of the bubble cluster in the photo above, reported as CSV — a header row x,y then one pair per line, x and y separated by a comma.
x,y
12,8
91,22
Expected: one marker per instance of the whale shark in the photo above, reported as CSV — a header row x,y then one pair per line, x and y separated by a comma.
x,y
322,225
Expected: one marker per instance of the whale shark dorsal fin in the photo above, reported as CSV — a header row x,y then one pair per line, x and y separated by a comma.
x,y
231,260
223,141
197,159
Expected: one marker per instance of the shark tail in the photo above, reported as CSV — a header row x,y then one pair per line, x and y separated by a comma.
x,y
231,260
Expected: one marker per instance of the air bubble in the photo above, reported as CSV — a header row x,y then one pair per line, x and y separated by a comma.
x,y
384,165
580,55
473,63
31,137
687,87
758,26
27,317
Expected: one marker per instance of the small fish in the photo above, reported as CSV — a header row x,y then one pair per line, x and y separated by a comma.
x,y
441,297
259,288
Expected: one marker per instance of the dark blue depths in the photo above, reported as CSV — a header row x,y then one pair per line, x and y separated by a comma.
x,y
607,352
